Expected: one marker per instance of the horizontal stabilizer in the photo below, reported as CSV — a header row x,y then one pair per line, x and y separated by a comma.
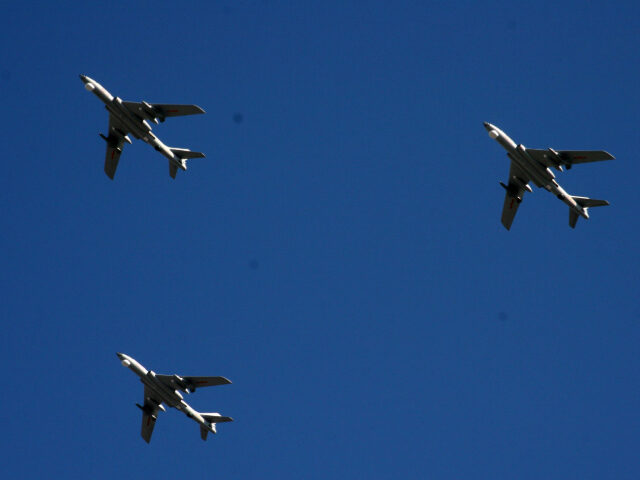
x,y
586,202
216,418
204,431
186,153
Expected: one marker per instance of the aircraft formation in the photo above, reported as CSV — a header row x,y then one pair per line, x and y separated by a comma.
x,y
526,165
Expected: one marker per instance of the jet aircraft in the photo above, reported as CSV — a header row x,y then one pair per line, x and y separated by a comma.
x,y
167,388
131,117
529,164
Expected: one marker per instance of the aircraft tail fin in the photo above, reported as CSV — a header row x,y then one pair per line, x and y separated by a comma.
x,y
173,169
212,419
183,154
573,217
585,203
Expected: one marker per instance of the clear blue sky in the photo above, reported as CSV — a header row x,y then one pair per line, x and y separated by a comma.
x,y
338,255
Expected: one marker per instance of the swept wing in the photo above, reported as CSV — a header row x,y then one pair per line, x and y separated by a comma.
x,y
518,180
149,414
160,111
115,143
191,383
567,158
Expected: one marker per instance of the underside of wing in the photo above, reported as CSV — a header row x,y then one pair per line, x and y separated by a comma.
x,y
567,158
171,110
111,159
149,414
177,382
148,423
115,143
160,111
570,157
509,209
518,181
198,382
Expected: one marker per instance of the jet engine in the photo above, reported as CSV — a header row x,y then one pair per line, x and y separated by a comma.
x,y
150,112
554,158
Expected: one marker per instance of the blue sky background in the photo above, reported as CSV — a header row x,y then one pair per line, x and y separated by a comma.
x,y
338,255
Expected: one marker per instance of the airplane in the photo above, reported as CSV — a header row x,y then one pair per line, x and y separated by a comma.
x,y
160,389
131,117
529,164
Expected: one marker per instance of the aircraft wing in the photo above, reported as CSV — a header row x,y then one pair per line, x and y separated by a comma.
x,y
567,158
169,110
191,383
161,110
515,191
198,382
115,142
149,414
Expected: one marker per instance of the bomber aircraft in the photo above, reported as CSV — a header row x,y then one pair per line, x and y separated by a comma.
x,y
131,117
167,388
529,164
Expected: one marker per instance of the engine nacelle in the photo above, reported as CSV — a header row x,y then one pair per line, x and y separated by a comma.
x,y
149,112
126,363
554,158
90,86
494,134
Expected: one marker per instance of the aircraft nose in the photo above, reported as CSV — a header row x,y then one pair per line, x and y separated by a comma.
x,y
124,359
89,84
488,126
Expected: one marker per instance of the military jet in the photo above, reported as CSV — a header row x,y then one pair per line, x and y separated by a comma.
x,y
131,117
529,164
167,388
